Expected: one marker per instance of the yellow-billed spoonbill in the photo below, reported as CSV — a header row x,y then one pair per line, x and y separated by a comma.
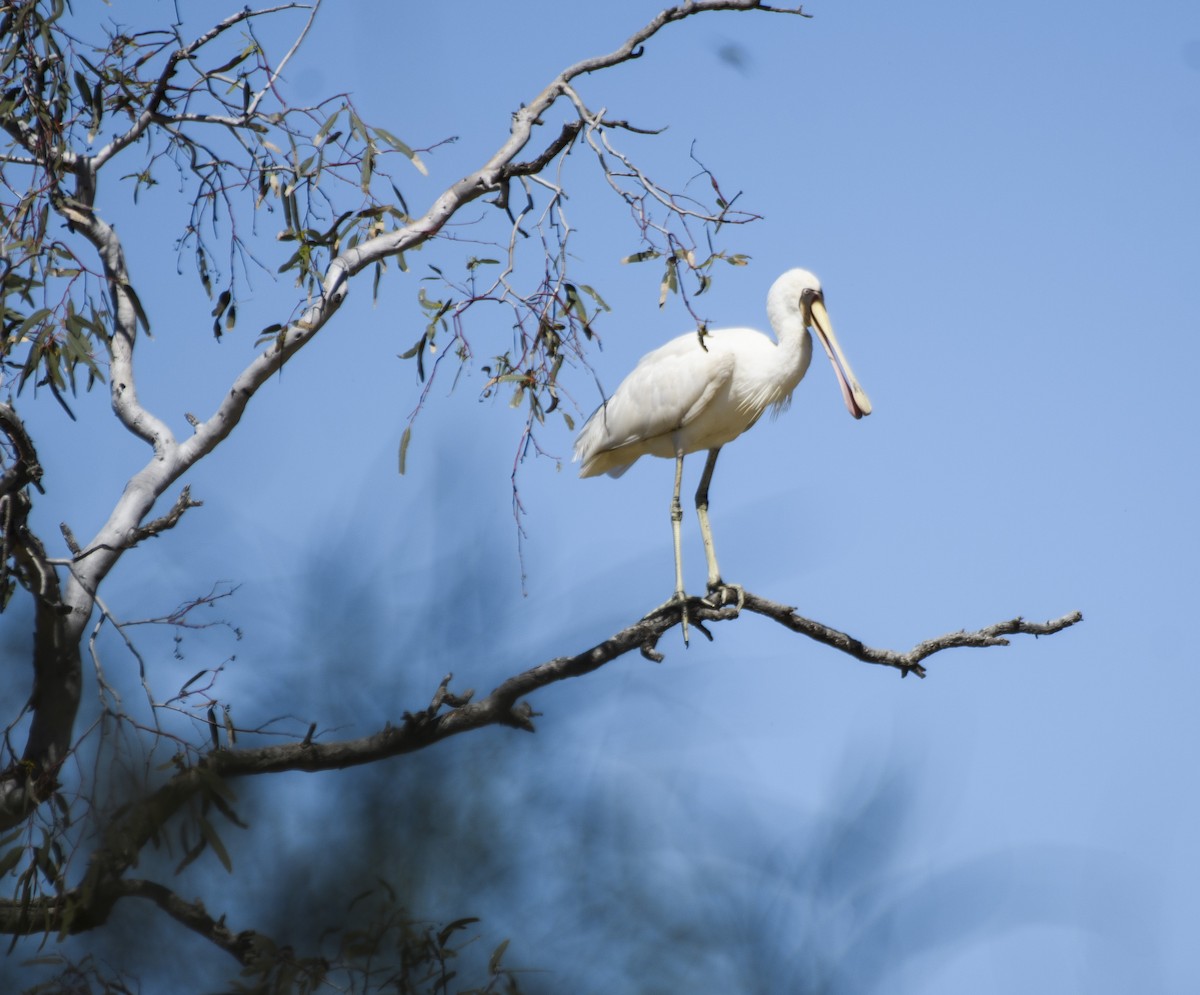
x,y
690,395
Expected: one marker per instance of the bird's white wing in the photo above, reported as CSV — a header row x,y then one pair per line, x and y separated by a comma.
x,y
664,393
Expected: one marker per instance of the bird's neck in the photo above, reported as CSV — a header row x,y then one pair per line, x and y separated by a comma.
x,y
792,336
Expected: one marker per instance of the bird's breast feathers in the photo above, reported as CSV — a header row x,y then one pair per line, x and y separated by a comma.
x,y
686,396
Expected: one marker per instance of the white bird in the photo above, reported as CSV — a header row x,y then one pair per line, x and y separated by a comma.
x,y
694,394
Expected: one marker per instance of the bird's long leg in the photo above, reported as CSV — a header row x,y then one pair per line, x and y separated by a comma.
x,y
679,597
714,572
715,584
676,524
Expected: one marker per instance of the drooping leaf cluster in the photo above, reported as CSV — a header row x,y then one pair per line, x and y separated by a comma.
x,y
203,113
49,317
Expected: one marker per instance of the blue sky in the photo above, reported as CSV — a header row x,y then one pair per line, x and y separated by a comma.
x,y
1002,205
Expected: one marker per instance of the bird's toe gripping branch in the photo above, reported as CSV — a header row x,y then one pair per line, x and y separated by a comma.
x,y
721,595
678,602
723,602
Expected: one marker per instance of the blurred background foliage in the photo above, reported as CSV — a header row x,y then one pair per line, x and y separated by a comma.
x,y
598,874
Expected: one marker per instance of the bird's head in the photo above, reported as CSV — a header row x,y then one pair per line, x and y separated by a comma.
x,y
799,290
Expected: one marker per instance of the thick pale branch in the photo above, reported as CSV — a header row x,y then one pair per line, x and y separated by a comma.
x,y
493,173
173,458
79,212
491,176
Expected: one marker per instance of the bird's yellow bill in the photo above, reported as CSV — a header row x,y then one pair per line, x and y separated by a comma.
x,y
857,402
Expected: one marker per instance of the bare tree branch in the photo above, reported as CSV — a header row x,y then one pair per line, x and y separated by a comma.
x,y
151,112
491,175
169,520
24,468
909,662
244,947
447,715
54,697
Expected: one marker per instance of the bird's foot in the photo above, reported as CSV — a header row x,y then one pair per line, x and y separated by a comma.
x,y
721,594
677,600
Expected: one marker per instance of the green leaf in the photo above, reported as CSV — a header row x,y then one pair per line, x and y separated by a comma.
x,y
69,913
450,928
414,350
227,810
241,57
11,859
291,263
190,855
137,307
641,257
202,269
405,439
192,680
63,806
403,205
595,296
85,91
575,302
214,784
213,840
497,956
368,167
394,142
670,282
38,316
322,131
291,214
402,148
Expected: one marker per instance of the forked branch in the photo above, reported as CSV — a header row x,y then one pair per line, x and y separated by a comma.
x,y
448,714
910,662
65,178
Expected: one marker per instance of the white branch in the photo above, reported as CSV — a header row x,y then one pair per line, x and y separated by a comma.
x,y
172,458
491,175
